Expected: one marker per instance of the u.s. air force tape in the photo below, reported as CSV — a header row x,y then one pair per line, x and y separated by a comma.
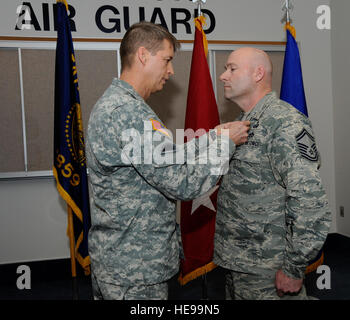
x,y
307,146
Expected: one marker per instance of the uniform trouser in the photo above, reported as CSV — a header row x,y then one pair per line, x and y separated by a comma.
x,y
244,286
107,291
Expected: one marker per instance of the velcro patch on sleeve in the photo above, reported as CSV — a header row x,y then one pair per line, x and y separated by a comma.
x,y
307,145
157,126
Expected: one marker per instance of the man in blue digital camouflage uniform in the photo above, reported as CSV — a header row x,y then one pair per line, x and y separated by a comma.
x,y
273,215
134,178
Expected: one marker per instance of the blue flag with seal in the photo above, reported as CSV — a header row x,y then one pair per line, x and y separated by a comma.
x,y
69,153
292,91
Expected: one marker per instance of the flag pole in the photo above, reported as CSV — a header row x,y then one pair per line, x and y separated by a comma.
x,y
72,252
199,5
204,276
287,11
73,189
288,94
287,7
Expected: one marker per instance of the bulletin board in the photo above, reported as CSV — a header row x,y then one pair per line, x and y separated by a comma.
x,y
27,98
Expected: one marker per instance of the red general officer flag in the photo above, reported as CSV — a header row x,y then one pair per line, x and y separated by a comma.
x,y
198,217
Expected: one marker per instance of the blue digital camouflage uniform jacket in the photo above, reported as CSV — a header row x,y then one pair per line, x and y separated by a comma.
x,y
133,240
272,208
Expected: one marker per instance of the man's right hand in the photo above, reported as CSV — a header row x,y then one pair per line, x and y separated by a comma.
x,y
237,131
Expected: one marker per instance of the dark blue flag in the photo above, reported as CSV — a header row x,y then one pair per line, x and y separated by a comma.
x,y
292,88
292,91
69,155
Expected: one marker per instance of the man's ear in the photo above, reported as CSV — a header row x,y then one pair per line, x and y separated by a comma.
x,y
259,73
142,55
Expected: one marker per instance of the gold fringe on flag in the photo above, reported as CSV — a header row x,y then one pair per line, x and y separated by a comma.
x,y
85,262
291,29
199,23
313,267
196,273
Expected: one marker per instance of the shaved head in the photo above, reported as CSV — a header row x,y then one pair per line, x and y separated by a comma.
x,y
254,58
248,76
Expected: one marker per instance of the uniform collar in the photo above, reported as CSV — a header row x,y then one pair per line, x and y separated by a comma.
x,y
259,108
127,87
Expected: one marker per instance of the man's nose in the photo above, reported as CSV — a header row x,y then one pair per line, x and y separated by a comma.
x,y
223,76
171,69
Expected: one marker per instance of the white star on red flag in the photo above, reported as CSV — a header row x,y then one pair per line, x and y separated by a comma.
x,y
204,200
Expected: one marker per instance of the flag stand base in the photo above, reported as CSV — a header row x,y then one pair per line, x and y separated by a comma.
x,y
204,287
75,293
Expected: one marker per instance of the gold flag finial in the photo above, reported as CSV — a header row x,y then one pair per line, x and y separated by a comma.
x,y
64,2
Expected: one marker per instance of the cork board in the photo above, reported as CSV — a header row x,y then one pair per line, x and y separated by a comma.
x,y
96,69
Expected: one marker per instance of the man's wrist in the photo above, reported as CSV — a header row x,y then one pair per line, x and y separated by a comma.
x,y
292,271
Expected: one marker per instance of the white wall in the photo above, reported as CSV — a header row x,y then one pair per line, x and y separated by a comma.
x,y
33,217
33,221
341,70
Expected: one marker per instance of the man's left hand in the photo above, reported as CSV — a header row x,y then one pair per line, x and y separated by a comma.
x,y
285,284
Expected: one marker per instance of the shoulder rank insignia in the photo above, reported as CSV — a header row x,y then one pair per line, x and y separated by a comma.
x,y
156,125
307,146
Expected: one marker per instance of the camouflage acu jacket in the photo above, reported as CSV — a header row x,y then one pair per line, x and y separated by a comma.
x,y
272,209
133,240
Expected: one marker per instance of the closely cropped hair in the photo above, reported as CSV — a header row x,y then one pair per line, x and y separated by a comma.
x,y
144,34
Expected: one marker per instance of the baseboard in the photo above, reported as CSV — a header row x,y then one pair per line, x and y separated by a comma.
x,y
40,270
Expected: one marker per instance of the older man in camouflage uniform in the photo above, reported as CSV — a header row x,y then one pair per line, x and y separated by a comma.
x,y
273,215
133,243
